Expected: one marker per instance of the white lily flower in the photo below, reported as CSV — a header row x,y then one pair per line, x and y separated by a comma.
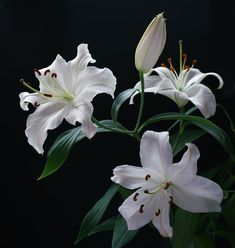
x,y
66,92
151,44
182,88
160,183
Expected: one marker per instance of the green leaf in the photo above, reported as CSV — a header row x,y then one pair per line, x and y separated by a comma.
x,y
94,216
189,135
184,226
107,225
226,185
201,122
121,235
202,241
120,99
229,213
62,146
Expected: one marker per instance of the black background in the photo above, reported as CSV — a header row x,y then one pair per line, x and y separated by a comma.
x,y
48,213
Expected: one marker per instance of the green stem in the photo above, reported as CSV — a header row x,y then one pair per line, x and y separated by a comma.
x,y
141,75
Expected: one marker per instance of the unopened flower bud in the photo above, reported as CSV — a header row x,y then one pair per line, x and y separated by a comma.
x,y
151,44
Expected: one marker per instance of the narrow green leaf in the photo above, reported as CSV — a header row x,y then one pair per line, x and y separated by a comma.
x,y
189,135
94,216
229,182
184,226
107,225
201,122
121,235
60,150
62,146
229,213
120,99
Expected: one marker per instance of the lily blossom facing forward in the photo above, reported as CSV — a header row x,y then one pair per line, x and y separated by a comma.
x,y
66,92
183,87
160,183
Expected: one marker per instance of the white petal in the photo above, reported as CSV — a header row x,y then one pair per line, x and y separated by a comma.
x,y
195,76
164,73
82,114
93,81
197,194
188,163
33,98
138,209
155,151
130,177
47,116
162,221
153,84
201,96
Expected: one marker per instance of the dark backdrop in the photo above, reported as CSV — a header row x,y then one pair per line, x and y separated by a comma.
x,y
47,213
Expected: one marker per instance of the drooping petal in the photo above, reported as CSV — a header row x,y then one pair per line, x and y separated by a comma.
x,y
162,218
138,209
156,152
202,97
196,194
34,98
195,76
93,81
82,113
188,163
130,177
46,117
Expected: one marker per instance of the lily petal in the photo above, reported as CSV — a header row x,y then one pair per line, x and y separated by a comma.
x,y
93,81
162,219
34,98
138,209
196,194
155,151
46,117
188,163
164,73
82,114
130,177
201,96
195,76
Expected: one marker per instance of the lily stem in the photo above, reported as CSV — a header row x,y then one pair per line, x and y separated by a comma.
x,y
141,75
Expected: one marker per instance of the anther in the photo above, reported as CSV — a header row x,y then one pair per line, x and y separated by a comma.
x,y
135,197
36,104
141,208
37,71
169,60
185,57
48,95
54,75
46,71
163,65
194,62
166,186
158,212
146,191
170,200
186,68
147,177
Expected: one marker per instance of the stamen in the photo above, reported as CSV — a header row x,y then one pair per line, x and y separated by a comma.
x,y
186,68
185,57
37,71
135,197
48,95
194,62
147,177
166,185
146,191
36,104
46,71
141,210
54,75
163,65
171,200
169,60
158,212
